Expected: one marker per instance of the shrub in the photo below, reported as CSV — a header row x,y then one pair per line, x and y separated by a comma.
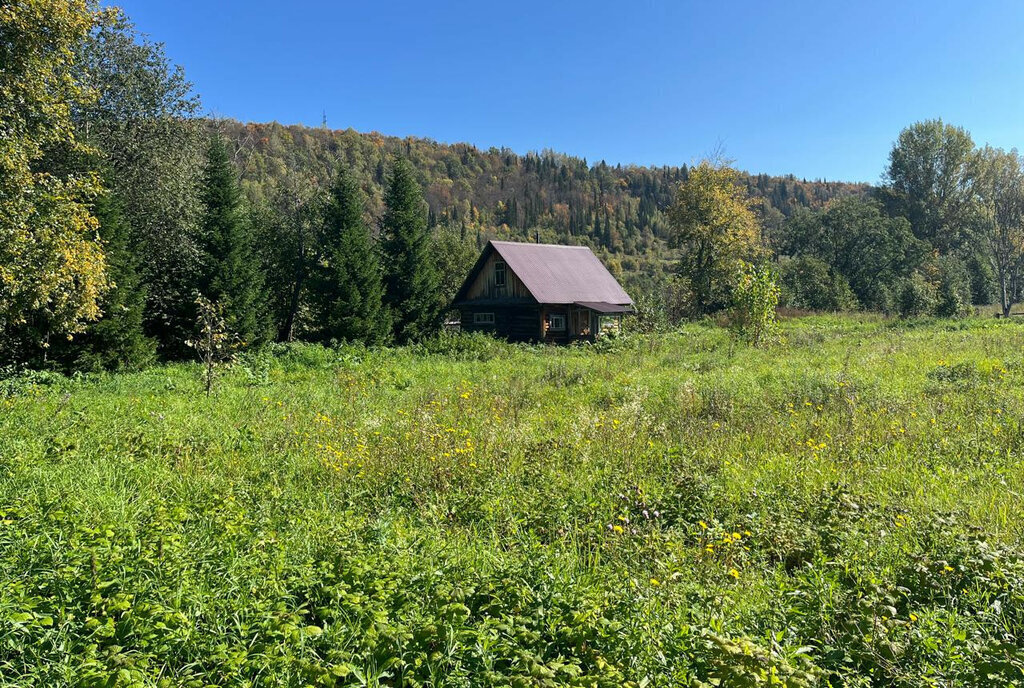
x,y
461,346
652,315
741,662
754,299
982,278
292,356
953,289
680,299
808,283
916,296
255,364
216,345
15,380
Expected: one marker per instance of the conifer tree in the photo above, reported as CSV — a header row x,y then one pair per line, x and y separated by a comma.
x,y
349,288
230,275
411,283
117,341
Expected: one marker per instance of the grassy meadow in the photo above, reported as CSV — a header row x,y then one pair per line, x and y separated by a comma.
x,y
842,508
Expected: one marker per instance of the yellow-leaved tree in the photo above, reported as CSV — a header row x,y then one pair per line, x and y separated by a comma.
x,y
716,230
52,269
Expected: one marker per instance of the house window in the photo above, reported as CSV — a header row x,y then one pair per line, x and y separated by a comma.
x,y
483,318
556,322
499,274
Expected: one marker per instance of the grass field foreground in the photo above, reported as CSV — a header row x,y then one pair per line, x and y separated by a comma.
x,y
843,508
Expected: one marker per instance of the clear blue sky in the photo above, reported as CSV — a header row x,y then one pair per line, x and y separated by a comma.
x,y
815,88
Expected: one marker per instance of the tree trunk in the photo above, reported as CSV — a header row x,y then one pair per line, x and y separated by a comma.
x,y
293,309
1009,293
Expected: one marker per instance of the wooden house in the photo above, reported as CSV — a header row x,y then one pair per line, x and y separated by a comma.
x,y
540,292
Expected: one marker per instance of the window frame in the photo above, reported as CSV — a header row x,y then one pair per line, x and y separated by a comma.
x,y
502,272
483,318
551,322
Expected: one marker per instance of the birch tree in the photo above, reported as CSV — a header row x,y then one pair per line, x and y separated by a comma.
x,y
1001,226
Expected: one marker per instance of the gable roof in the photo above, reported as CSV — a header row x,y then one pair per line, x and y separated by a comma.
x,y
554,273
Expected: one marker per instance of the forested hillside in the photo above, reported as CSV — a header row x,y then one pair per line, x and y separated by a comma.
x,y
546,196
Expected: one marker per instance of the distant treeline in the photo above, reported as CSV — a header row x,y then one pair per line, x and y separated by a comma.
x,y
620,211
564,198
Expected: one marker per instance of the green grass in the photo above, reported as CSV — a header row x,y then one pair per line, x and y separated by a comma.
x,y
840,509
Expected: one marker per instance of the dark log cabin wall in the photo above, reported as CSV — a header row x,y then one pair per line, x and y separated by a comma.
x,y
515,314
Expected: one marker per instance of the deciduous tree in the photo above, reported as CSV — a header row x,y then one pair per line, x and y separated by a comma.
x,y
754,298
808,282
1001,229
454,253
52,269
930,179
143,124
869,248
716,229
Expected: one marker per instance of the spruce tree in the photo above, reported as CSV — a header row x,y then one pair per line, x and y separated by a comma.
x,y
230,273
116,341
411,283
349,289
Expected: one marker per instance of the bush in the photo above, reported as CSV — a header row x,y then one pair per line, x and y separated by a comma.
x,y
953,289
942,287
808,283
652,315
255,364
754,300
983,279
291,356
16,381
680,300
916,296
461,346
882,297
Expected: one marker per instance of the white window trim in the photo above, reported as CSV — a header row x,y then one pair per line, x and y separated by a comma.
x,y
551,322
483,318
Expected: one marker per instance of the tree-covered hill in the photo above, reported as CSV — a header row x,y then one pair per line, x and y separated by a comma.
x,y
548,196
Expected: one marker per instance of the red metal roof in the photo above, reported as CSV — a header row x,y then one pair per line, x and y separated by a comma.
x,y
561,274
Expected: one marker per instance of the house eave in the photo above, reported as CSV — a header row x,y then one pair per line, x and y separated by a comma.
x,y
466,303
